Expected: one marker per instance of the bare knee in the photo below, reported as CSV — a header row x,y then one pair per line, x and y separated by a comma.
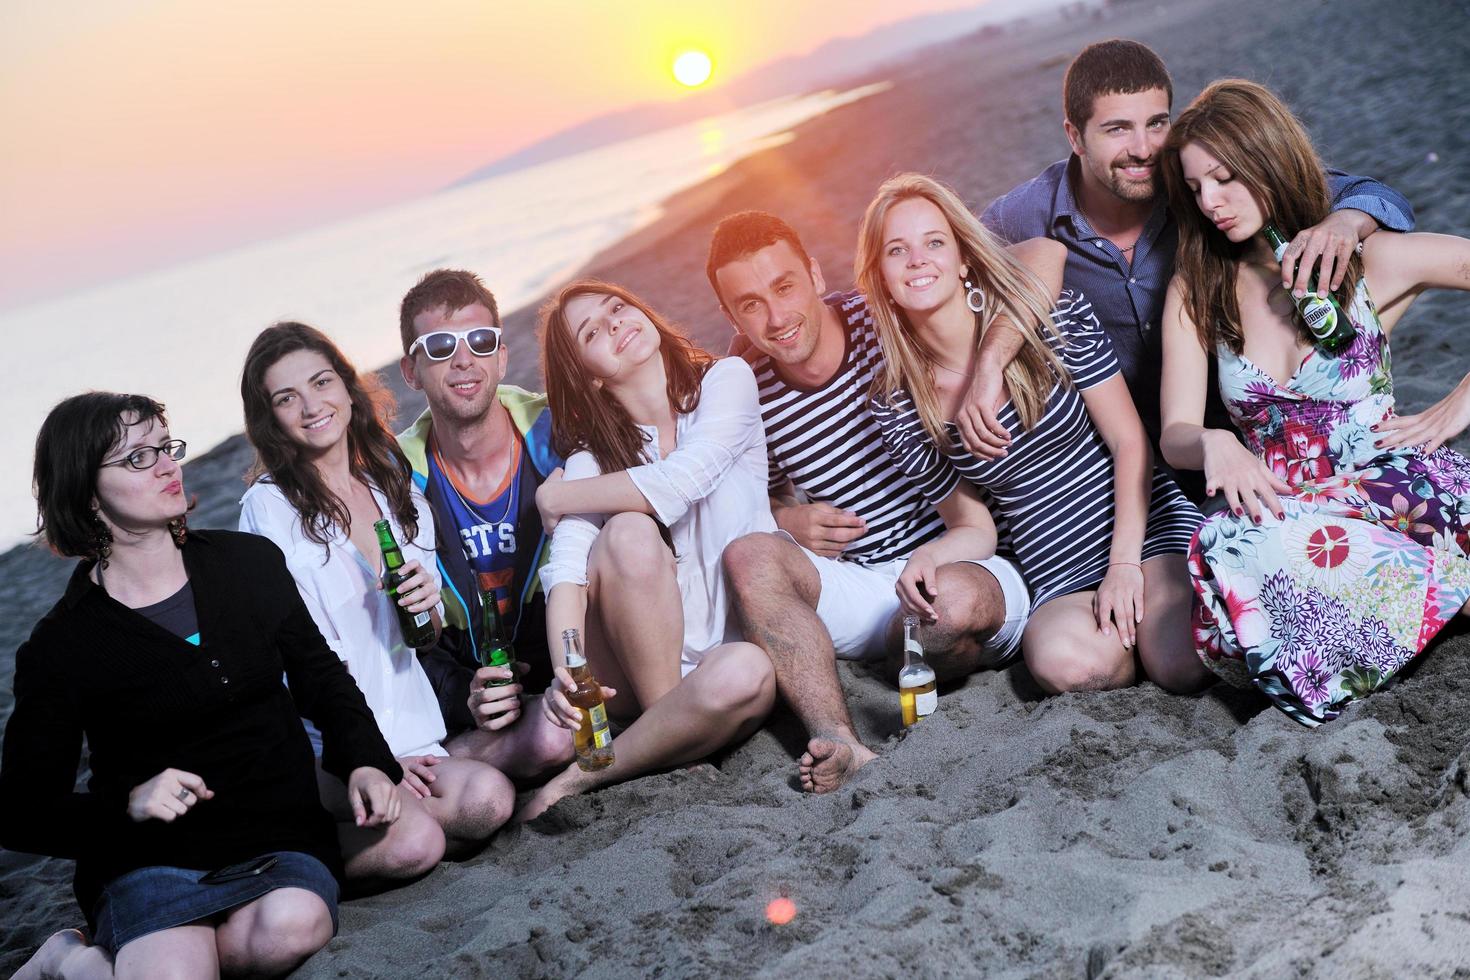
x,y
486,803
970,608
413,847
632,548
1063,660
287,927
740,682
553,747
750,561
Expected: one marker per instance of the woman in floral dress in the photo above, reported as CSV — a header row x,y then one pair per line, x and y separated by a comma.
x,y
1342,551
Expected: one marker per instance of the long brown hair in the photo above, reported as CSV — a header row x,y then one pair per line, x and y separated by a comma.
x,y
585,415
1011,290
1261,144
371,448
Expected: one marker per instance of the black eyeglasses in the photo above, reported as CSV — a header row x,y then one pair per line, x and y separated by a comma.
x,y
144,457
440,345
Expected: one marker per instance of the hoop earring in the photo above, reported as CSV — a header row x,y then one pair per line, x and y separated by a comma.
x,y
974,297
101,539
178,529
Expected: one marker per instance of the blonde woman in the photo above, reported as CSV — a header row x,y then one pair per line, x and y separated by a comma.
x,y
1099,533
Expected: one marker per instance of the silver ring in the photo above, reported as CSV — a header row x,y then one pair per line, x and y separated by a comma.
x,y
183,795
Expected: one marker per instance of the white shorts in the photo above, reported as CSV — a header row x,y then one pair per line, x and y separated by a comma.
x,y
858,601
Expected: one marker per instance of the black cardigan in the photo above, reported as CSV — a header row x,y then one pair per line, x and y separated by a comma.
x,y
148,700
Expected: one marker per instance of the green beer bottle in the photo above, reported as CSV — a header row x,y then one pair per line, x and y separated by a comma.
x,y
418,629
494,648
1325,320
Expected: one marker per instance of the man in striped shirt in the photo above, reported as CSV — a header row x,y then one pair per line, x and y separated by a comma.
x,y
824,585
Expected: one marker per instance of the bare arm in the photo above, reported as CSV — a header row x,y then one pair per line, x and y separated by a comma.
x,y
1398,268
970,533
1119,598
610,493
1228,466
980,428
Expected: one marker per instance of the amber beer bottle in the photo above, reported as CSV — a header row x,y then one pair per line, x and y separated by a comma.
x,y
916,688
417,628
495,648
593,738
1325,320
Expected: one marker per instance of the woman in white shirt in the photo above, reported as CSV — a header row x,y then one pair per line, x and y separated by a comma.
x,y
326,469
666,465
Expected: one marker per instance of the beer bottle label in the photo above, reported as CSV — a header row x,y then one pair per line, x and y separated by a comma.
x,y
421,619
924,704
601,736
1319,316
913,646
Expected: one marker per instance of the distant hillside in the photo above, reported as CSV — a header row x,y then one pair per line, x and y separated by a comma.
x,y
829,65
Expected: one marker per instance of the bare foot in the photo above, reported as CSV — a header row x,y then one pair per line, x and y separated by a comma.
x,y
829,762
48,959
563,784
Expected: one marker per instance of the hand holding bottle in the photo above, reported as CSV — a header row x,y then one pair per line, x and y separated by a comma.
x,y
495,700
560,711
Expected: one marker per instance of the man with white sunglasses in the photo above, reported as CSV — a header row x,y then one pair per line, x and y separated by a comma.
x,y
479,452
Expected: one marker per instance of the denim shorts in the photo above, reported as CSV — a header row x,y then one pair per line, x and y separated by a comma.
x,y
152,899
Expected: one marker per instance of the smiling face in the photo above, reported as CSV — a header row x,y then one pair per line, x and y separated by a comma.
x,y
612,336
921,265
460,389
775,300
133,501
1220,195
309,399
1119,144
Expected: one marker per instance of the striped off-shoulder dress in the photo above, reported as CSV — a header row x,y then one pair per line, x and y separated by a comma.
x,y
1054,486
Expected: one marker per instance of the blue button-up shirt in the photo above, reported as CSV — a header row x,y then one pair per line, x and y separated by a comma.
x,y
1129,297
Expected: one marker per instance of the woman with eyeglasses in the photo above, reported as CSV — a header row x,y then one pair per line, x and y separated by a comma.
x,y
199,843
327,468
666,465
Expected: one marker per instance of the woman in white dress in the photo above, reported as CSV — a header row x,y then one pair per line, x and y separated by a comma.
x,y
327,468
666,465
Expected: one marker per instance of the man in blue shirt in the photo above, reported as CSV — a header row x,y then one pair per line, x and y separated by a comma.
x,y
1106,204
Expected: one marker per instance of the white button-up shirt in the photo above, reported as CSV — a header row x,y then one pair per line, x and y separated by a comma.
x,y
709,491
357,619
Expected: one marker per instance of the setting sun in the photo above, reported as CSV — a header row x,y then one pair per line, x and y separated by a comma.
x,y
692,68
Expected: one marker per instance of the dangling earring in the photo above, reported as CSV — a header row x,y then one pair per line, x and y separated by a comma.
x,y
974,297
178,529
101,538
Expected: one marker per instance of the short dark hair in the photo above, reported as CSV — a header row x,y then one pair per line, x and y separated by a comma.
x,y
72,444
740,234
1113,67
451,289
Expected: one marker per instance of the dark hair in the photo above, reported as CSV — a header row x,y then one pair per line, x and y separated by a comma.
x,y
583,414
740,234
70,448
1265,147
1114,67
450,289
371,448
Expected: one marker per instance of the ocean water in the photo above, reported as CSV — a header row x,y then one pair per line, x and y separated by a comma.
x,y
181,334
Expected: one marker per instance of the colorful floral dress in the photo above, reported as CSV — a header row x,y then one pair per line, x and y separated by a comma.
x,y
1325,606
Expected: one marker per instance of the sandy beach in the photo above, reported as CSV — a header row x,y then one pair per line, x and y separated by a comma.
x,y
1130,833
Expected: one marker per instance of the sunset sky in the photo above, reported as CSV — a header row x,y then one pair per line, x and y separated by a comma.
x,y
142,132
